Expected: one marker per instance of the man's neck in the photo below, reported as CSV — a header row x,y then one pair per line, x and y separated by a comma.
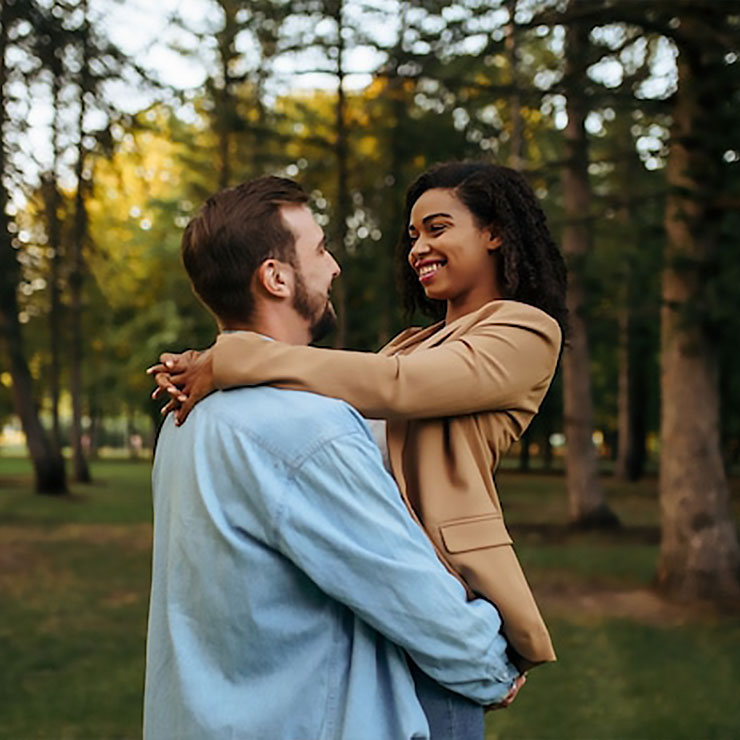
x,y
281,325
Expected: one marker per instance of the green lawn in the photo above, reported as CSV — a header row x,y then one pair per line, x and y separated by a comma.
x,y
74,579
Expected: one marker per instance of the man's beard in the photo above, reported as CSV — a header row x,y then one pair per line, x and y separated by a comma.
x,y
315,308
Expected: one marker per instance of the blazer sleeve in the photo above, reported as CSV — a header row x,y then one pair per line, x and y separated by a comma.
x,y
505,361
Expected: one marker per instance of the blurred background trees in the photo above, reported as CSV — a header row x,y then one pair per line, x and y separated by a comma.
x,y
621,115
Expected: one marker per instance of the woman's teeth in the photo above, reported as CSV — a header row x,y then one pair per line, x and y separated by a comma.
x,y
428,269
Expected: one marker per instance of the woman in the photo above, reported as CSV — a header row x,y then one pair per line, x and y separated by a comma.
x,y
456,394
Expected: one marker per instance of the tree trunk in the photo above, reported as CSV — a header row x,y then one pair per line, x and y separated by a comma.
x,y
394,190
76,278
48,464
51,196
53,201
339,293
94,430
516,157
587,504
225,115
224,137
631,345
631,430
699,556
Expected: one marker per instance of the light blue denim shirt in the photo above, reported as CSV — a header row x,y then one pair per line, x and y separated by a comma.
x,y
288,579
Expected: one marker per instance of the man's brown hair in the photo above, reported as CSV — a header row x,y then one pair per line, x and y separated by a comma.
x,y
236,230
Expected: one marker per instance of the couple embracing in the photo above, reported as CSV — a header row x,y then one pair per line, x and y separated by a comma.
x,y
330,557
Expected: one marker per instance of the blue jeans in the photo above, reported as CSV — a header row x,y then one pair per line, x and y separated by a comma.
x,y
450,715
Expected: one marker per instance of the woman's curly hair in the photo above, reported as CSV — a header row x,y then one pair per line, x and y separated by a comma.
x,y
531,267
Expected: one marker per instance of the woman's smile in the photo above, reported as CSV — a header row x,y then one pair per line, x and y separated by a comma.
x,y
427,269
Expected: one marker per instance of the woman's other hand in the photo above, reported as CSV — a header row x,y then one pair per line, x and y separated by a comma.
x,y
509,698
184,379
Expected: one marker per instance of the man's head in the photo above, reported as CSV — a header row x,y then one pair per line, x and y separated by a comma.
x,y
257,249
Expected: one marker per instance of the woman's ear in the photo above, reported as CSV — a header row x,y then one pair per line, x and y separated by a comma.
x,y
494,242
275,278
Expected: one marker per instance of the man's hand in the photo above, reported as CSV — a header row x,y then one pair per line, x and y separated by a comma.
x,y
509,698
184,379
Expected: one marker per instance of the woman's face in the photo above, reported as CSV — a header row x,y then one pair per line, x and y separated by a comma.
x,y
451,254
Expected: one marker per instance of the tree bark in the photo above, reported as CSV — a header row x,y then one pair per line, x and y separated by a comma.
x,y
54,228
225,115
76,277
632,344
587,503
339,293
395,187
516,156
51,196
95,425
631,432
48,464
699,556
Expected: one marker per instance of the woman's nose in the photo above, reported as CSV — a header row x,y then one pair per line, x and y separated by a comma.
x,y
420,248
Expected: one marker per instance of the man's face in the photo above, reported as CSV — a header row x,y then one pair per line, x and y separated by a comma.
x,y
316,270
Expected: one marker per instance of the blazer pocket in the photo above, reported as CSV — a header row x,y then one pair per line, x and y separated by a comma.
x,y
474,533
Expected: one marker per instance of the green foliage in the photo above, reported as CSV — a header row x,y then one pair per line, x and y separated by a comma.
x,y
452,81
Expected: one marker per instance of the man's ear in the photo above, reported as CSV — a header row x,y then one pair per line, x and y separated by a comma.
x,y
275,278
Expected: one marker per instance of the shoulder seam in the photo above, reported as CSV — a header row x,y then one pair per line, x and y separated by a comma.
x,y
292,464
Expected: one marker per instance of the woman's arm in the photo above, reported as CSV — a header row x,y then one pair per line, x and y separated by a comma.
x,y
504,361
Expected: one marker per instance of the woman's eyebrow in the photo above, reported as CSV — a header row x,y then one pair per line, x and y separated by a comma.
x,y
435,215
429,218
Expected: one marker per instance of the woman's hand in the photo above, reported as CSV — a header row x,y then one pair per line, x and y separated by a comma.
x,y
184,379
509,698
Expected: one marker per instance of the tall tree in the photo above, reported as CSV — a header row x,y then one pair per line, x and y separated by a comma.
x,y
47,461
335,10
224,112
587,503
52,202
699,554
237,42
50,48
516,153
634,333
86,88
98,62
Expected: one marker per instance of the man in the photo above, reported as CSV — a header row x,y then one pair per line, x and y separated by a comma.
x,y
289,581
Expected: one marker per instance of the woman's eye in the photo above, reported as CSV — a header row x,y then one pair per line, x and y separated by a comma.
x,y
436,228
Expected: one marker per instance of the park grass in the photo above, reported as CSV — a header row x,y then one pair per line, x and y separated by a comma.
x,y
74,580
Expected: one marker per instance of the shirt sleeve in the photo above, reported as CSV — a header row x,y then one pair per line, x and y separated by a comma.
x,y
496,365
342,522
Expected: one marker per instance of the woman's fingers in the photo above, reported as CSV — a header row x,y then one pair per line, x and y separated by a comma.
x,y
176,394
173,360
509,698
182,413
183,379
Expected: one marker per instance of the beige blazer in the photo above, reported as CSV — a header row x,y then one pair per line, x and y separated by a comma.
x,y
455,396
